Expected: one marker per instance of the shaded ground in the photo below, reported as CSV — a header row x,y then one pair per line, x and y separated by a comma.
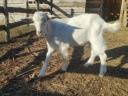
x,y
21,60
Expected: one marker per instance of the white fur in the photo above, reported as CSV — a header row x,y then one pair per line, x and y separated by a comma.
x,y
77,31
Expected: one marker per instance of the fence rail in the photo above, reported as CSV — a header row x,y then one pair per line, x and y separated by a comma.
x,y
5,9
20,10
58,9
16,24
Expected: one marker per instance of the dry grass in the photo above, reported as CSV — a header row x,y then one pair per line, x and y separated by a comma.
x,y
27,52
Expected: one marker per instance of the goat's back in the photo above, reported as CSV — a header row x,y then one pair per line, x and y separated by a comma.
x,y
85,20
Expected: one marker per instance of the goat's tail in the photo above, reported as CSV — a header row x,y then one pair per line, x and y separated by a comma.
x,y
112,27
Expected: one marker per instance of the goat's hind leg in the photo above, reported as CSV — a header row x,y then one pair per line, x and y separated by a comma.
x,y
48,56
91,59
99,47
103,68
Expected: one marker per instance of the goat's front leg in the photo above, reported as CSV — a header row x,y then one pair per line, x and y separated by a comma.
x,y
48,56
64,53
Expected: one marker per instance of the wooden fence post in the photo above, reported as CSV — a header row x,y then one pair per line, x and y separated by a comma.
x,y
101,8
72,12
38,5
121,10
85,6
7,34
27,14
27,7
51,11
124,13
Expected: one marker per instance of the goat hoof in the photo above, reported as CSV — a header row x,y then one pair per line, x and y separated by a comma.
x,y
64,69
87,64
101,75
102,72
41,74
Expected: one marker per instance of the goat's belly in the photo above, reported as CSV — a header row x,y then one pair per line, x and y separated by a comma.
x,y
80,39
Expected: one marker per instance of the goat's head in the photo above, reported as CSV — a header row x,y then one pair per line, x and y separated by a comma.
x,y
40,20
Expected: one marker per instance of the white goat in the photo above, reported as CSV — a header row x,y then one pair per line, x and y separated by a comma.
x,y
77,31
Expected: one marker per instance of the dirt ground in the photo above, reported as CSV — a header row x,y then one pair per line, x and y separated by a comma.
x,y
22,58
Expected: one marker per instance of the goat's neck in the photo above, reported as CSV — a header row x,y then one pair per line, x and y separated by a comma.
x,y
47,29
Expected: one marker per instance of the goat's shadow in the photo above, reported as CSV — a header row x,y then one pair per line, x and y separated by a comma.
x,y
76,64
118,52
119,70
